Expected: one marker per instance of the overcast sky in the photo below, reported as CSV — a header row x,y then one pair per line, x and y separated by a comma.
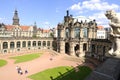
x,y
48,13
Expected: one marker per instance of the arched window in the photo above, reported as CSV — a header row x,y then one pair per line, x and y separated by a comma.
x,y
24,44
48,43
67,33
77,32
59,32
5,45
85,32
34,43
44,43
29,43
12,45
39,43
18,44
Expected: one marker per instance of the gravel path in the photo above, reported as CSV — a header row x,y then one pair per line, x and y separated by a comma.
x,y
9,72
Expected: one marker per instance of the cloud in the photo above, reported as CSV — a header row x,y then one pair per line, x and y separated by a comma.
x,y
76,7
94,9
94,5
100,19
46,23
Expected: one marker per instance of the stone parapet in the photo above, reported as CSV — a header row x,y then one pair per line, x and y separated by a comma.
x,y
109,70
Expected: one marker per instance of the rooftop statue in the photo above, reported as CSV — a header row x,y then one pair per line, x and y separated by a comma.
x,y
115,32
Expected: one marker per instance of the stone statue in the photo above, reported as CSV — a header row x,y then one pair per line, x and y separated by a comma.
x,y
115,32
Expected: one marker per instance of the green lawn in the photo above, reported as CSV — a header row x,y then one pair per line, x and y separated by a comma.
x,y
25,58
2,62
62,73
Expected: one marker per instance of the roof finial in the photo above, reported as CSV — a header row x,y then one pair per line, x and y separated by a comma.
x,y
67,12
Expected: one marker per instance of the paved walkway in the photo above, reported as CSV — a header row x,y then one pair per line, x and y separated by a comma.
x,y
9,72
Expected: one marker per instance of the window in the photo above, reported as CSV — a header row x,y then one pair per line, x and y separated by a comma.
x,y
44,43
48,43
34,43
85,33
39,43
5,45
59,32
23,44
18,44
29,43
77,32
12,45
67,33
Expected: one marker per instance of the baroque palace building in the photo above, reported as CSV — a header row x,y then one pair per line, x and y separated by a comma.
x,y
17,38
78,37
74,37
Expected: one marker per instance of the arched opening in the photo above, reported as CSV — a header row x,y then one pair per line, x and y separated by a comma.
x,y
34,43
24,44
77,32
12,45
44,43
104,50
67,47
29,43
84,47
54,45
18,44
39,43
5,45
77,48
48,43
93,48
67,33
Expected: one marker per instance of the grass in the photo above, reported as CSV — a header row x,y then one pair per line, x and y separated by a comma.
x,y
62,73
2,62
25,58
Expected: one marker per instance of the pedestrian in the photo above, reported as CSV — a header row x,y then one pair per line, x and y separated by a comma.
x,y
26,71
17,67
21,72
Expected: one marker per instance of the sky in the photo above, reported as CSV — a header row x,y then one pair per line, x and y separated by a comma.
x,y
48,13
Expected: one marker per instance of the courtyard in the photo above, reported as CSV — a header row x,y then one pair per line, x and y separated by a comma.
x,y
48,60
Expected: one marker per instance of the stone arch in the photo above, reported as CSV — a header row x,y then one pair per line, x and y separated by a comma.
x,y
24,44
12,45
76,49
67,33
93,48
29,43
104,48
34,43
54,45
48,43
67,47
44,43
18,44
39,43
5,45
84,46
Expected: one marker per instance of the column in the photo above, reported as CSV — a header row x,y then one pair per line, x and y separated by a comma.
x,y
81,33
72,52
8,46
82,53
62,47
51,47
1,47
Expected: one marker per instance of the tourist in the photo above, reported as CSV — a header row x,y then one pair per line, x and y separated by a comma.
x,y
26,71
